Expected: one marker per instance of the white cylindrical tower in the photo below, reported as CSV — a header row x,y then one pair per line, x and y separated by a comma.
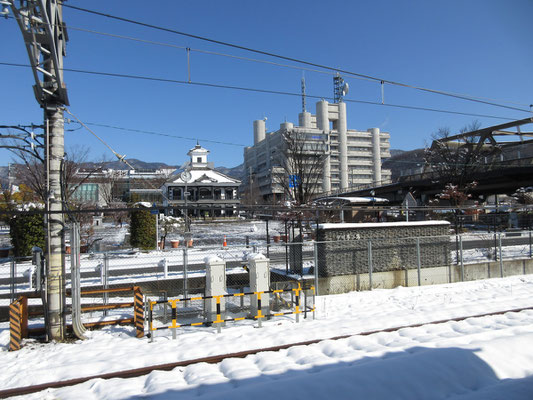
x,y
343,145
259,130
304,119
286,125
322,123
376,155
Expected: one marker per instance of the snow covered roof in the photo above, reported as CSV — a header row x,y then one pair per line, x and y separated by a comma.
x,y
205,175
352,200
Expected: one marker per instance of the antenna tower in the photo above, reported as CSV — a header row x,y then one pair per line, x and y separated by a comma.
x,y
340,88
303,94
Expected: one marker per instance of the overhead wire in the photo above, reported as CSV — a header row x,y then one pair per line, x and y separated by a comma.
x,y
293,59
164,134
121,158
256,60
208,52
265,91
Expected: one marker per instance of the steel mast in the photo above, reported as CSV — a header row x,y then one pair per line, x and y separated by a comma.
x,y
45,37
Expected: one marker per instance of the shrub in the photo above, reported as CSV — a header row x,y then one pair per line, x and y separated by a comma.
x,y
142,229
26,231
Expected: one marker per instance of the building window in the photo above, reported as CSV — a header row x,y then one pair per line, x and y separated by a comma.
x,y
198,159
87,193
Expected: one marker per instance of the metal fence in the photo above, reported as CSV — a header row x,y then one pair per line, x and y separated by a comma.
x,y
344,265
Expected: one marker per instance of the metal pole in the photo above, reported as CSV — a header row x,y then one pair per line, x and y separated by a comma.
x,y
77,325
530,244
500,253
157,231
461,257
185,277
268,240
286,249
43,31
13,273
418,262
315,248
105,280
370,263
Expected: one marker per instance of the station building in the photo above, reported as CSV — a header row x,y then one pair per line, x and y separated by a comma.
x,y
206,191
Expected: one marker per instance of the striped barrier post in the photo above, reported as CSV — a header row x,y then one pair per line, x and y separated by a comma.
x,y
297,302
18,322
259,315
138,311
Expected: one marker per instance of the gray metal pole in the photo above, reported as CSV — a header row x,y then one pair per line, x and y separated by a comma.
x,y
315,247
157,231
106,281
418,262
185,277
500,253
530,244
43,30
461,257
13,273
370,263
77,325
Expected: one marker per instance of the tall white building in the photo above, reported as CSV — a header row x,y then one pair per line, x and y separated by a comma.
x,y
351,157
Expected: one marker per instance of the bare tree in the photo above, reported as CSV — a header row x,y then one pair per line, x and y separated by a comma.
x,y
30,171
301,161
457,162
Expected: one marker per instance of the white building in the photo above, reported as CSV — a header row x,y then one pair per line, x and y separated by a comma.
x,y
209,192
352,158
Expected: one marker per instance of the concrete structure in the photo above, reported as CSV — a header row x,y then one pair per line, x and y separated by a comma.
x,y
352,157
258,266
215,285
210,193
343,249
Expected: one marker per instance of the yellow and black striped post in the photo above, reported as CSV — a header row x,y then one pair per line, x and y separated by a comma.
x,y
138,311
15,325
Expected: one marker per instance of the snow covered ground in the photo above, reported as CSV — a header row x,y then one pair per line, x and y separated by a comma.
x,y
479,358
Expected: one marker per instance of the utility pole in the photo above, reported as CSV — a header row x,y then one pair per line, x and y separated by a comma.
x,y
45,37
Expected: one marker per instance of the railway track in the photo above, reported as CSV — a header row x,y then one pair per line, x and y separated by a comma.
x,y
131,373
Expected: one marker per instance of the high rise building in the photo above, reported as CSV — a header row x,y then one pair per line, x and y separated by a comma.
x,y
350,158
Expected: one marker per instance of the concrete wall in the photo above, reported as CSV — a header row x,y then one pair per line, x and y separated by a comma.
x,y
428,276
343,248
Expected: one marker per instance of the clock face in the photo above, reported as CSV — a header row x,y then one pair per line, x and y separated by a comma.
x,y
185,176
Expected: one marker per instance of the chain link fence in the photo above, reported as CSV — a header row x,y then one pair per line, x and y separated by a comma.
x,y
338,266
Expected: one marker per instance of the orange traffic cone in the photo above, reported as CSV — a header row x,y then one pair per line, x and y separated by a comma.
x,y
225,243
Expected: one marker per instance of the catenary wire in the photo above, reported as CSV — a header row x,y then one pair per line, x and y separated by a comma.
x,y
300,68
265,91
292,59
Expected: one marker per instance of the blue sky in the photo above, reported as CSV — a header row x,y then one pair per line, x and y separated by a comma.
x,y
480,48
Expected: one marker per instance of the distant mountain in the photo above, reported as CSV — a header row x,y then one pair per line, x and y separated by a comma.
x,y
135,163
235,172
